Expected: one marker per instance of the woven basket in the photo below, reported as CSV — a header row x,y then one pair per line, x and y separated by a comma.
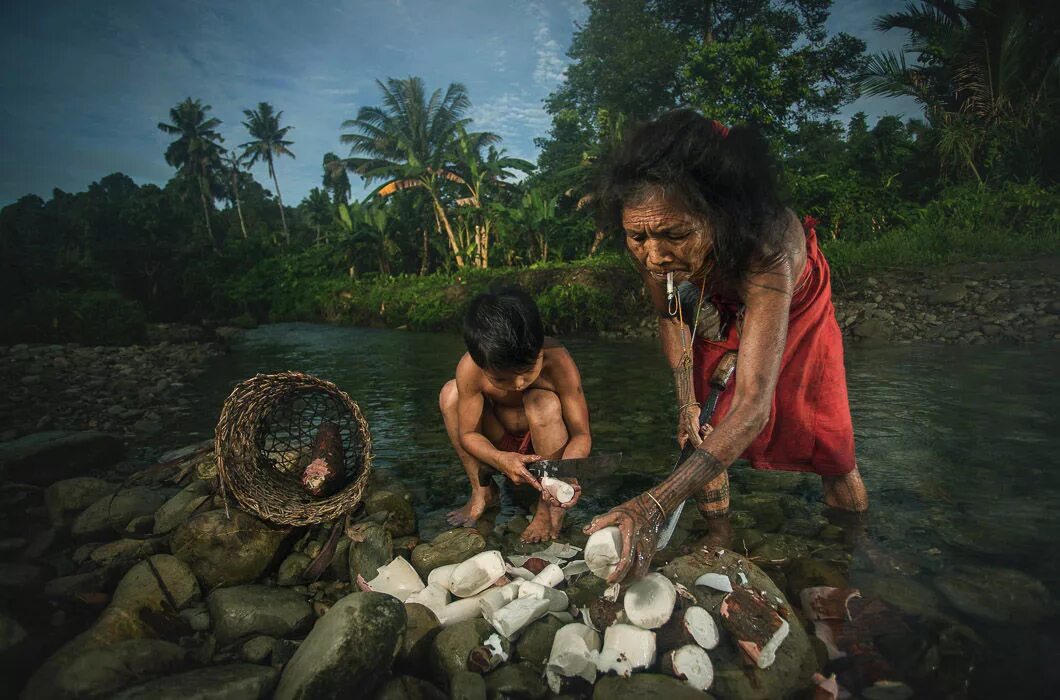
x,y
263,441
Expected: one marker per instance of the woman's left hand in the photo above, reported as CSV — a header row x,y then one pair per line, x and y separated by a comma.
x,y
639,520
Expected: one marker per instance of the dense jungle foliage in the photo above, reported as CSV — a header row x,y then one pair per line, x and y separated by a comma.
x,y
450,212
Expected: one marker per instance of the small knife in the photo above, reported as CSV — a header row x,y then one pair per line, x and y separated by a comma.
x,y
583,468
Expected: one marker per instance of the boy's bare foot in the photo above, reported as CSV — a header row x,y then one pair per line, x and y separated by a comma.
x,y
540,528
482,497
556,519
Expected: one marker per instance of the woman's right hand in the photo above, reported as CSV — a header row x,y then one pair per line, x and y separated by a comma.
x,y
513,466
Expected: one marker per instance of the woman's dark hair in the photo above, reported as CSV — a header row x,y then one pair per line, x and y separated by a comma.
x,y
503,331
722,175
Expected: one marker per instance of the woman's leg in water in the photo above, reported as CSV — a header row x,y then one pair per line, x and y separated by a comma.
x,y
713,504
846,492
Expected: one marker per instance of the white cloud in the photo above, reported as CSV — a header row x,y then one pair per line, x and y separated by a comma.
x,y
551,64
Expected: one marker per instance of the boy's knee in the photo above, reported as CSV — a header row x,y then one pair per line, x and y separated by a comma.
x,y
447,397
541,405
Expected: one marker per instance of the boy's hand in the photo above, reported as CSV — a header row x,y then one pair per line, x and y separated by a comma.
x,y
551,500
513,466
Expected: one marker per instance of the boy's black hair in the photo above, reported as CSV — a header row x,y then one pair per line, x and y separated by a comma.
x,y
724,176
503,330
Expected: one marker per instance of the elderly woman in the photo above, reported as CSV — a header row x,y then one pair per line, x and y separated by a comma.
x,y
737,281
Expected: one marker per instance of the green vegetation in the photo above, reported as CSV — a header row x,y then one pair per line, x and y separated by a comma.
x,y
450,213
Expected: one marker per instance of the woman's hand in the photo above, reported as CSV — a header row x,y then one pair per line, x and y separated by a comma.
x,y
688,425
639,520
513,466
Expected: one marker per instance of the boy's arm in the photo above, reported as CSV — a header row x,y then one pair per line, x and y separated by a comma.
x,y
568,383
470,404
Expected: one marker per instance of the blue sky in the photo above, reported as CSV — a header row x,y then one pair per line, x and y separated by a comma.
x,y
83,84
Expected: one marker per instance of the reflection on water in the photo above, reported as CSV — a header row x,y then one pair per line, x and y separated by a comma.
x,y
957,447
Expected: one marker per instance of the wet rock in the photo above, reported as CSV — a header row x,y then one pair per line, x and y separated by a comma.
x,y
339,569
227,682
467,685
781,550
805,573
257,650
535,644
351,647
396,501
290,571
996,594
11,633
410,688
375,551
646,686
453,644
903,592
872,329
16,576
109,515
47,457
948,293
70,496
421,629
73,587
101,671
241,611
180,507
223,551
519,681
450,547
197,616
124,551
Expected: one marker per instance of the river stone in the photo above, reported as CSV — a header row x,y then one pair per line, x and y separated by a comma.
x,y
996,594
421,629
903,592
44,458
872,329
20,576
97,672
70,587
795,660
241,611
766,509
396,502
410,688
450,547
124,550
518,681
257,650
339,569
806,573
375,551
535,644
227,551
949,293
467,685
109,515
292,568
350,649
227,682
69,496
781,550
453,645
179,508
11,633
646,686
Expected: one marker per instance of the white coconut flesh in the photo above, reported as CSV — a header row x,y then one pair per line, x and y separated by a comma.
x,y
719,582
557,600
700,624
494,599
433,596
650,601
398,579
460,610
574,649
626,649
603,550
691,664
440,576
513,617
476,574
550,576
769,652
560,490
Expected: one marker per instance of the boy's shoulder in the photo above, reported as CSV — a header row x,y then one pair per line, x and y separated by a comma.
x,y
468,371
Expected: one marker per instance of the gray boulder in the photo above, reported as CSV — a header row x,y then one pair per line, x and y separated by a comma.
x,y
375,551
349,650
519,681
467,685
395,501
450,547
70,496
11,633
996,594
109,515
241,611
179,508
410,688
44,458
229,682
452,645
227,551
421,629
646,686
98,672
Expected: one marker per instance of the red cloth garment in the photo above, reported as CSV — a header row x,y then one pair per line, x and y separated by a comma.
x,y
516,443
809,427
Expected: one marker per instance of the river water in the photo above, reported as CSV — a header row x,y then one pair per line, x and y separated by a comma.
x,y
957,446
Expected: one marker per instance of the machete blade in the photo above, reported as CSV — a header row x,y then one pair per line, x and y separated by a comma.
x,y
582,469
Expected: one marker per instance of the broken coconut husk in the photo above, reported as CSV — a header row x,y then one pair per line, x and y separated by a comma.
x,y
324,475
571,663
476,574
690,663
627,648
650,601
603,551
398,579
758,629
601,613
487,657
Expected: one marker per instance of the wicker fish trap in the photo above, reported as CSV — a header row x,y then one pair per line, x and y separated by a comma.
x,y
264,438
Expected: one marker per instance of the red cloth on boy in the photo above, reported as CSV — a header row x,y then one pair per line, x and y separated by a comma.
x,y
516,443
809,427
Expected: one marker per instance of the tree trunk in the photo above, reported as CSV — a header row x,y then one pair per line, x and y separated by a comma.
x,y
279,198
426,253
206,212
239,206
439,214
597,240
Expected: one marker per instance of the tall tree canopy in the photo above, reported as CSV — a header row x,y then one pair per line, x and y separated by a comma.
x,y
263,125
196,152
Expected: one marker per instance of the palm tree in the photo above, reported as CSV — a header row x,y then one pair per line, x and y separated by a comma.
x,y
408,142
335,179
264,126
197,149
233,163
984,68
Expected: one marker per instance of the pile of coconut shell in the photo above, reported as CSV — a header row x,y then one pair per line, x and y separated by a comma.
x,y
646,625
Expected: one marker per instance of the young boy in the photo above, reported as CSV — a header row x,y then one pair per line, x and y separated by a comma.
x,y
517,398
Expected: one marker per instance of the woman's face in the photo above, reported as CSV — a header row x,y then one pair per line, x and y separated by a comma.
x,y
664,237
